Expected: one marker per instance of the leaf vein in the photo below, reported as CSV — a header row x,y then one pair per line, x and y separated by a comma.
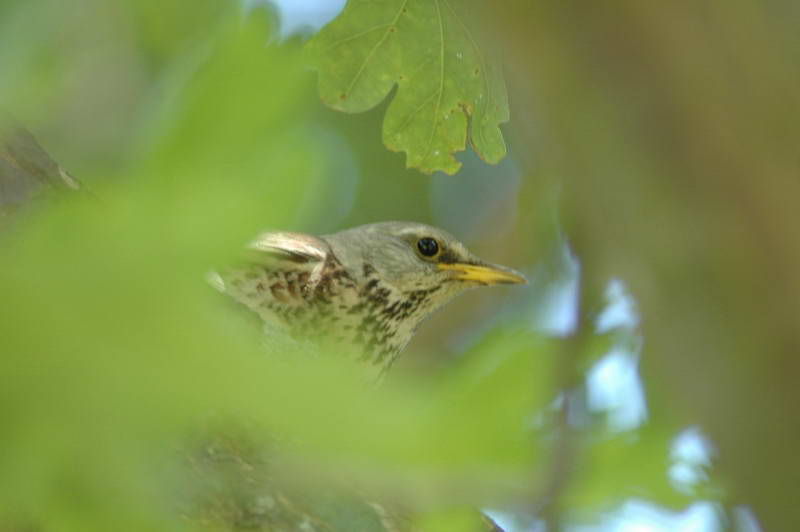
x,y
484,73
356,36
435,125
411,115
375,48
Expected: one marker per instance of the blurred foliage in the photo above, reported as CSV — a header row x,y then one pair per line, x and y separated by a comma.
x,y
445,86
133,398
672,130
116,351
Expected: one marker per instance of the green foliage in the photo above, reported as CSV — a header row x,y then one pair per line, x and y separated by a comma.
x,y
51,49
115,350
117,355
453,520
616,467
444,79
105,315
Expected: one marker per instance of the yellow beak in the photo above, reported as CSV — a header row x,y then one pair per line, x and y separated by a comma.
x,y
487,274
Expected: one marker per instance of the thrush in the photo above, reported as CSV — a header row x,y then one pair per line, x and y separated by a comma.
x,y
368,287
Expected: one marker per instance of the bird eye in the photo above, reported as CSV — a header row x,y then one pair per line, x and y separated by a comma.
x,y
429,247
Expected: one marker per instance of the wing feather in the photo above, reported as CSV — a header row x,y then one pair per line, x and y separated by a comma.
x,y
281,269
295,247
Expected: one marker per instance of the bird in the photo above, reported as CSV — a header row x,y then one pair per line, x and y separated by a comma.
x,y
369,287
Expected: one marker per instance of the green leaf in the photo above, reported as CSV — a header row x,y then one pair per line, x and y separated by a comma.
x,y
443,79
615,468
113,344
454,520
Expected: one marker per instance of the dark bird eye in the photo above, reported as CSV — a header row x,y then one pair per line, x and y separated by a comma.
x,y
428,246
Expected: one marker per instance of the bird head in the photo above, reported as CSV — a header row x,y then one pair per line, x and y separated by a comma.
x,y
412,256
376,282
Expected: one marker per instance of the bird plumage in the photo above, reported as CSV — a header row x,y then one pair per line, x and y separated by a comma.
x,y
368,287
364,290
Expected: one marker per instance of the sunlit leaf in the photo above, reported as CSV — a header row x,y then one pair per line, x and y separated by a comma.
x,y
445,83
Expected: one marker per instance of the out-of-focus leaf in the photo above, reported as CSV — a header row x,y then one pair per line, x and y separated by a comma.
x,y
469,439
455,520
502,383
165,31
229,128
634,464
113,345
599,345
444,80
47,45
